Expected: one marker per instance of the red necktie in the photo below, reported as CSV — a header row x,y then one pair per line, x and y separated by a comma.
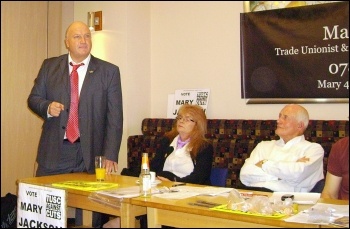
x,y
73,124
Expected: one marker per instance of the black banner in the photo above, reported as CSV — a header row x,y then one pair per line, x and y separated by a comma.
x,y
300,52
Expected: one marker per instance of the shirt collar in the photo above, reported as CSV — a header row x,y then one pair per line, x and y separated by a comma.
x,y
292,141
86,61
181,143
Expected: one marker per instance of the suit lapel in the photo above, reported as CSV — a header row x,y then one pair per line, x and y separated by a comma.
x,y
88,77
64,72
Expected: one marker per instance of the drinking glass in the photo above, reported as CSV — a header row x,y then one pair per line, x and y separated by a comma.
x,y
100,168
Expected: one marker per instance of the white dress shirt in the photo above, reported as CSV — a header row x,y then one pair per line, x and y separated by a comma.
x,y
81,70
179,162
281,171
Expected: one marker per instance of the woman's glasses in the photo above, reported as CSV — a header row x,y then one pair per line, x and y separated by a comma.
x,y
185,119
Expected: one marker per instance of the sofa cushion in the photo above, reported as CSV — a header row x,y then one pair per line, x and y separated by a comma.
x,y
156,126
138,144
240,128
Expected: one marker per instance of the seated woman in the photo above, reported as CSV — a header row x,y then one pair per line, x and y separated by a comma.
x,y
184,154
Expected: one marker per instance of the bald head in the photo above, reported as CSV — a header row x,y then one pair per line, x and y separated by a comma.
x,y
299,112
74,25
78,41
292,121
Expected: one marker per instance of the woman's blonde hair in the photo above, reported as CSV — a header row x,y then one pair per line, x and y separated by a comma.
x,y
197,135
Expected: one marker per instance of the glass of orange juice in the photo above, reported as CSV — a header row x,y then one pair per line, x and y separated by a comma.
x,y
100,168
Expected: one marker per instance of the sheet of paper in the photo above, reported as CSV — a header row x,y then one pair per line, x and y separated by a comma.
x,y
342,221
320,213
208,190
299,197
182,192
176,195
85,185
128,192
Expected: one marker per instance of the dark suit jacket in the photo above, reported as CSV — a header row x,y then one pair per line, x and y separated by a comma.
x,y
202,164
100,110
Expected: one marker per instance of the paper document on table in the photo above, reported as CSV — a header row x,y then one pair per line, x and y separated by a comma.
x,y
175,195
342,221
320,213
182,192
127,192
299,197
85,185
209,190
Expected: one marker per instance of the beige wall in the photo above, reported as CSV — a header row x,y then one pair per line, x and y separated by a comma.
x,y
24,45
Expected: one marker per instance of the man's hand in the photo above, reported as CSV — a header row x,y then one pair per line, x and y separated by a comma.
x,y
55,109
163,178
303,159
111,166
260,163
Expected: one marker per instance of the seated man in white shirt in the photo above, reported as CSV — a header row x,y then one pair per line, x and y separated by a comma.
x,y
289,164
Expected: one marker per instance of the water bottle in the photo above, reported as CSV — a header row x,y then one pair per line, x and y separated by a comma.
x,y
145,177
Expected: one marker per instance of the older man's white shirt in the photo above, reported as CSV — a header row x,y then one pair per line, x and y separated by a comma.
x,y
281,172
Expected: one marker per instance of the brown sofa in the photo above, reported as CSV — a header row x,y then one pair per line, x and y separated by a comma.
x,y
233,140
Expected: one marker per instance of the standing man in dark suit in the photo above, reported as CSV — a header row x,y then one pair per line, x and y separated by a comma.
x,y
100,110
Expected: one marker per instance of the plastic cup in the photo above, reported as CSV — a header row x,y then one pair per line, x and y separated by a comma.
x,y
100,168
153,176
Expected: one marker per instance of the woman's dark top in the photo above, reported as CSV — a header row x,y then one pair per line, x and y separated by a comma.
x,y
202,164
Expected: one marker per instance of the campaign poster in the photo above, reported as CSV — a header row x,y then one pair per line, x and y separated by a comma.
x,y
190,96
41,207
